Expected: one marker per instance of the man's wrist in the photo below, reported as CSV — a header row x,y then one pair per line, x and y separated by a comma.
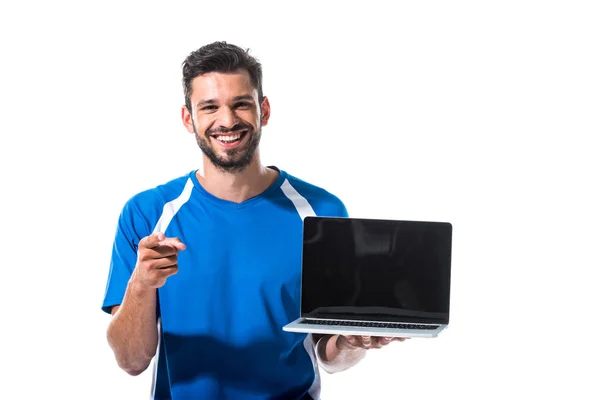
x,y
137,289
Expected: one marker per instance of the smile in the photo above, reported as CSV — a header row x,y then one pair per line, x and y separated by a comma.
x,y
230,138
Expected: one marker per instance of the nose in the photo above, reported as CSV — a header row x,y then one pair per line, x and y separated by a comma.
x,y
226,118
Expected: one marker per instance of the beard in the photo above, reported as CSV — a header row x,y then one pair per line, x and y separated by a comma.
x,y
238,159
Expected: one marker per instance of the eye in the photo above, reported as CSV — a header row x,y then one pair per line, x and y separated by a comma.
x,y
208,108
242,104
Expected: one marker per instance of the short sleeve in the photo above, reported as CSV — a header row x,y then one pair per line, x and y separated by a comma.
x,y
332,207
343,212
131,228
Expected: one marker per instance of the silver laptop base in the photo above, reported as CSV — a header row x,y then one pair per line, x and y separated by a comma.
x,y
299,327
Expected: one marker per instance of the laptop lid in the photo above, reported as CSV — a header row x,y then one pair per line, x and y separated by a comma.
x,y
376,270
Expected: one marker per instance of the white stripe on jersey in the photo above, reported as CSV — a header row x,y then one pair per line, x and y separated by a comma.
x,y
301,204
171,208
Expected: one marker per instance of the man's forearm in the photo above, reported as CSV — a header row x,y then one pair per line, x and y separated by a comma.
x,y
336,355
133,332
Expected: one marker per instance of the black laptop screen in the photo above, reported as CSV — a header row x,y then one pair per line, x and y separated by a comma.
x,y
376,269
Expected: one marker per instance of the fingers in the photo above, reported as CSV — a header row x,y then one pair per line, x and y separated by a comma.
x,y
159,239
157,259
158,246
384,341
371,342
366,341
375,342
159,263
158,277
157,252
350,341
172,242
151,241
154,274
164,262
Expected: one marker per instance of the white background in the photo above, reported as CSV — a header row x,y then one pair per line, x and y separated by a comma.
x,y
483,114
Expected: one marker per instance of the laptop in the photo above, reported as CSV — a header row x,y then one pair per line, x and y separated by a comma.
x,y
374,277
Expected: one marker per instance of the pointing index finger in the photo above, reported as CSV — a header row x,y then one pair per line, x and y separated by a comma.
x,y
152,241
173,242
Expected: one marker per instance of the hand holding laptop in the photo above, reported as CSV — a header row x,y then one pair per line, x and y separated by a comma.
x,y
348,349
366,342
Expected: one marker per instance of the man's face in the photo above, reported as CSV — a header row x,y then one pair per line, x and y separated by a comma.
x,y
226,118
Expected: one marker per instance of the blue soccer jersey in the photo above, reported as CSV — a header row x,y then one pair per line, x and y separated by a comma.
x,y
238,284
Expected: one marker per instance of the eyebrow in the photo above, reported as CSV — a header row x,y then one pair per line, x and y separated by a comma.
x,y
213,101
243,97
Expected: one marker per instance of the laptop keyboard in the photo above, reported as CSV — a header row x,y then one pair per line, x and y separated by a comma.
x,y
395,325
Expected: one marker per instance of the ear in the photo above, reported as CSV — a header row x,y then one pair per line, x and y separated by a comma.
x,y
265,111
187,119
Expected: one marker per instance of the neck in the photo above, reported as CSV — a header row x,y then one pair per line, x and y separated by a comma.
x,y
240,186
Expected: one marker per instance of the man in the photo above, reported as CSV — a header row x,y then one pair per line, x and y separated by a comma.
x,y
205,269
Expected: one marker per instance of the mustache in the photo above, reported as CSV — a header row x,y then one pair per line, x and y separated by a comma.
x,y
236,127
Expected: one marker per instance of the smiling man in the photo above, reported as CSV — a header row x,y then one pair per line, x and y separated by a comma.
x,y
241,118
206,268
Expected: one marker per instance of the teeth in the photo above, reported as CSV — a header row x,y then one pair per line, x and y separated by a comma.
x,y
229,138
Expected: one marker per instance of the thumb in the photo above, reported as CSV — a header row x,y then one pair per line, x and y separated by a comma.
x,y
151,241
